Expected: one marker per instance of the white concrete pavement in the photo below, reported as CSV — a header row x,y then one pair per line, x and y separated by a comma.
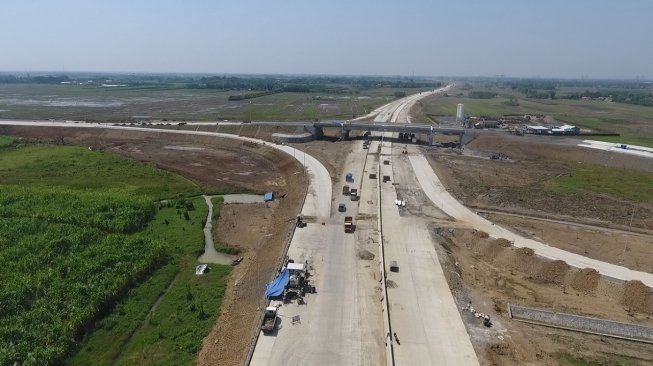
x,y
399,109
341,324
424,315
643,151
438,194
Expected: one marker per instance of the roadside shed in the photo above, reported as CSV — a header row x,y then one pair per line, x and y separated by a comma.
x,y
292,267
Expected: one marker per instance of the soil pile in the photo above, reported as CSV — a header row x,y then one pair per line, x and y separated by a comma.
x,y
481,234
552,272
525,252
585,280
638,297
502,242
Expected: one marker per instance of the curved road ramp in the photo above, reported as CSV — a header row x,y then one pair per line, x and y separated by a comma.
x,y
583,324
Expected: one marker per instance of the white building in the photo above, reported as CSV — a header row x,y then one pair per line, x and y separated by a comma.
x,y
460,113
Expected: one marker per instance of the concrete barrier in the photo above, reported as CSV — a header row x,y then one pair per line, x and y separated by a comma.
x,y
585,324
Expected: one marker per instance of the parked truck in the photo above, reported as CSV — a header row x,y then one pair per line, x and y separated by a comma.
x,y
349,224
269,319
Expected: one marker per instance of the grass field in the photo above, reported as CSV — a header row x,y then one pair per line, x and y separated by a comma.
x,y
6,141
633,122
80,231
175,102
170,334
622,183
79,168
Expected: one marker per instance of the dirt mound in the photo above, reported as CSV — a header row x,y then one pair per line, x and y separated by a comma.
x,y
365,255
481,234
492,249
502,242
585,280
551,272
525,252
637,297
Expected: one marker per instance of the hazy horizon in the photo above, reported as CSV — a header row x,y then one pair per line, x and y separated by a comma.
x,y
584,39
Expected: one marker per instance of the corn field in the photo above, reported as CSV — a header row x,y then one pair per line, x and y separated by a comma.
x,y
66,257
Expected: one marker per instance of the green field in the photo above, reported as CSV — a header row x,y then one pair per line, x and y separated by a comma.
x,y
176,102
623,183
6,141
633,122
79,168
170,334
85,253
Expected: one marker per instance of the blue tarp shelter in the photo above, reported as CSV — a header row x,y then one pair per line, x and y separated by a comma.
x,y
268,196
275,288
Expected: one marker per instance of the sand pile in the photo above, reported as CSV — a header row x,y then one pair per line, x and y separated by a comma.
x,y
585,280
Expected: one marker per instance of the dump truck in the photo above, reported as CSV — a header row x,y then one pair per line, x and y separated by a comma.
x,y
349,224
269,319
354,194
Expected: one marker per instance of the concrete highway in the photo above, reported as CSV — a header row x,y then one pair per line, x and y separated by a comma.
x,y
342,323
426,323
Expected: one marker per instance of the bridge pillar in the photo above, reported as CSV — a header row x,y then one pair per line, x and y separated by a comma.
x,y
460,140
430,136
319,133
344,134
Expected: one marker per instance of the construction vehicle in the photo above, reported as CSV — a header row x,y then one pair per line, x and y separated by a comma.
x,y
300,222
269,319
345,190
296,287
354,194
349,224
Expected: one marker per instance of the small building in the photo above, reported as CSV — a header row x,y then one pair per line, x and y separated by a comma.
x,y
565,130
268,196
538,130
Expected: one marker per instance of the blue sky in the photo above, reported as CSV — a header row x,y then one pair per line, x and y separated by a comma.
x,y
553,38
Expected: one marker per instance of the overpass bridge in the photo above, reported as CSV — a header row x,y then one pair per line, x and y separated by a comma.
x,y
315,130
408,128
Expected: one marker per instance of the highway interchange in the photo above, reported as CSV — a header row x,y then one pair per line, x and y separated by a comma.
x,y
352,320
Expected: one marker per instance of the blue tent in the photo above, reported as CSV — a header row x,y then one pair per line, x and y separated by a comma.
x,y
268,196
275,288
